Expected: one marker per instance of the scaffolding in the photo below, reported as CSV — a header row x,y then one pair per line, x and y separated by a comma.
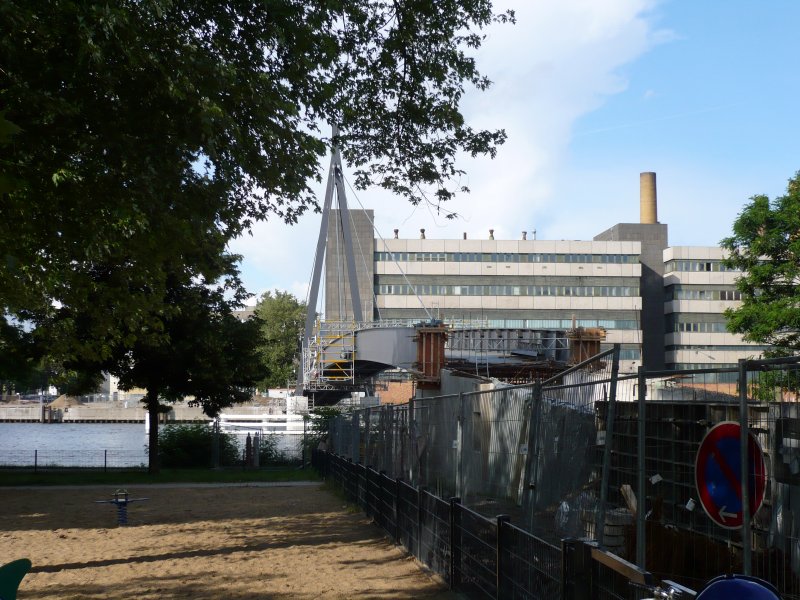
x,y
329,358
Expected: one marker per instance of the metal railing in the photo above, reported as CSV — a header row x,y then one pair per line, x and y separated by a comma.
x,y
478,556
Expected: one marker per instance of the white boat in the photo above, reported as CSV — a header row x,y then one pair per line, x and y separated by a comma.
x,y
265,424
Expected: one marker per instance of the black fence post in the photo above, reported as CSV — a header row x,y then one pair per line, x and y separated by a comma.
x,y
105,461
455,543
397,509
419,523
576,570
500,580
367,500
384,512
35,461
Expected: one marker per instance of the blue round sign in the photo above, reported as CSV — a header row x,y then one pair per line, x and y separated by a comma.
x,y
718,474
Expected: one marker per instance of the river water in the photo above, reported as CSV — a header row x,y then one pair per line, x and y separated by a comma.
x,y
84,444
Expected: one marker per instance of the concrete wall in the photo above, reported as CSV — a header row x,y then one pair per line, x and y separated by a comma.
x,y
654,240
338,303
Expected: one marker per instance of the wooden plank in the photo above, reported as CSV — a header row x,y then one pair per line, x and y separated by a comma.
x,y
622,566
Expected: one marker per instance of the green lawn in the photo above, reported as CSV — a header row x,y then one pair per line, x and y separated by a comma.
x,y
130,477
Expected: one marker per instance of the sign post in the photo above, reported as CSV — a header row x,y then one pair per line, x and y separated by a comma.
x,y
718,475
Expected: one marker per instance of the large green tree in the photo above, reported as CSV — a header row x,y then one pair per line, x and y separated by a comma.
x,y
281,317
765,246
145,134
210,356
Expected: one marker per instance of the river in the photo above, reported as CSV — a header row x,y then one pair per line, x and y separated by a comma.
x,y
110,445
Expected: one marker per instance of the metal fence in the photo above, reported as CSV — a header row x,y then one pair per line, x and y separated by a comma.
x,y
130,452
590,454
478,556
92,458
509,450
686,530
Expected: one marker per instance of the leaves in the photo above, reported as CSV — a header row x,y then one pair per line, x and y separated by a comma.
x,y
765,245
281,318
140,136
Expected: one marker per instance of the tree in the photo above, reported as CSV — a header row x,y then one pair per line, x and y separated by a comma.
x,y
765,246
209,355
281,317
145,134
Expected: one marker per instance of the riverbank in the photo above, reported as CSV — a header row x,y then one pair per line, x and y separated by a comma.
x,y
204,543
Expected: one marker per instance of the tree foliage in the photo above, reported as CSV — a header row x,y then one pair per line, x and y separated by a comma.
x,y
765,246
281,317
192,447
138,137
210,356
145,134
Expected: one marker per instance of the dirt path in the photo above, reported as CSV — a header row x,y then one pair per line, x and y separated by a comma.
x,y
231,543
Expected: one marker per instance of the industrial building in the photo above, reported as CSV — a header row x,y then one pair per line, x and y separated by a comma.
x,y
664,305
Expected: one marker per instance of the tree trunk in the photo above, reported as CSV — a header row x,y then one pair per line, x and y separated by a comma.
x,y
151,401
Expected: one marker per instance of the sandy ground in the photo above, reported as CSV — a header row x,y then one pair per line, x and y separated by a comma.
x,y
203,543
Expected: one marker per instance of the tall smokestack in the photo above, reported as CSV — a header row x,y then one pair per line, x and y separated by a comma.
x,y
648,205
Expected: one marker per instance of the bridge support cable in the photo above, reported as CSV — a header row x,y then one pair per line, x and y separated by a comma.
x,y
335,183
397,264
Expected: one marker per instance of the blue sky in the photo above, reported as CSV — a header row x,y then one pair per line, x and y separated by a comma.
x,y
591,93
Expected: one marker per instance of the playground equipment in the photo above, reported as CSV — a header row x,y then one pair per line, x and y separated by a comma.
x,y
11,575
120,499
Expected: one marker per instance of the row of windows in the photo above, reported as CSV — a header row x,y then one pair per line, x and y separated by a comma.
x,y
630,354
562,323
505,257
696,265
701,327
602,291
709,377
720,348
555,324
678,293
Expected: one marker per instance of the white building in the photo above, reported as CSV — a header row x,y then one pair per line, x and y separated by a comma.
x,y
663,305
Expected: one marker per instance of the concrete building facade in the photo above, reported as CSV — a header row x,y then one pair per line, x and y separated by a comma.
x,y
664,305
698,288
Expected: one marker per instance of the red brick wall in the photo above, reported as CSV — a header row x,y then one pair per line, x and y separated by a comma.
x,y
396,392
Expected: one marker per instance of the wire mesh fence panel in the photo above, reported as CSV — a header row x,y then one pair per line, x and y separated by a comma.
x,y
476,567
398,462
530,568
371,494
386,504
361,485
434,533
434,449
693,497
682,543
493,436
96,458
776,527
564,475
407,516
608,584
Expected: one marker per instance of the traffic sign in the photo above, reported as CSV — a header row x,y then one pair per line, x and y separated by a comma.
x,y
718,474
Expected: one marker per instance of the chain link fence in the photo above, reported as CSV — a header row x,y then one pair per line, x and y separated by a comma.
x,y
590,454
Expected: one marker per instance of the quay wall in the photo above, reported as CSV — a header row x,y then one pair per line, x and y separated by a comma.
x,y
96,414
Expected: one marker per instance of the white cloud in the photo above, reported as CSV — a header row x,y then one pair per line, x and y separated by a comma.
x,y
559,62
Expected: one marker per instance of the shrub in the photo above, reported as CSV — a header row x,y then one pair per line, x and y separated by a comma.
x,y
192,446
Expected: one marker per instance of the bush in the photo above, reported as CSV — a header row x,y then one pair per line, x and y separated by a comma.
x,y
192,446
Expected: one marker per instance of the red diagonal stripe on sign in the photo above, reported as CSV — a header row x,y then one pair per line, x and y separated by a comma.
x,y
733,480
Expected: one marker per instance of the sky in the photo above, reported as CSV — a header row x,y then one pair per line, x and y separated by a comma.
x,y
592,93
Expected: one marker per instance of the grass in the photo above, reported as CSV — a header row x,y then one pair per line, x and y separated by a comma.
x,y
129,477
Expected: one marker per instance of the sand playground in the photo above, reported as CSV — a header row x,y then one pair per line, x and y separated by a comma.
x,y
203,543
